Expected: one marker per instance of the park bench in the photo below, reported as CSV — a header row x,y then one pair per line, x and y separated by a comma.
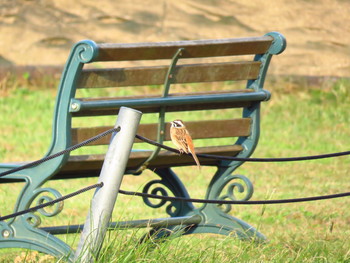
x,y
98,79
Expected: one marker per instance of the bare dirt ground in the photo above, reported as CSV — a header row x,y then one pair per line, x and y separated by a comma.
x,y
38,32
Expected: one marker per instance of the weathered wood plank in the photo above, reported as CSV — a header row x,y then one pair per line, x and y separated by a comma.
x,y
199,130
141,76
192,49
90,165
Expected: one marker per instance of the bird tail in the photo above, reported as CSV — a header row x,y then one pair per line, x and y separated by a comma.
x,y
190,148
196,160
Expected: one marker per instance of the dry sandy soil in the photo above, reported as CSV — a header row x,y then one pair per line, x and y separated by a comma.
x,y
41,32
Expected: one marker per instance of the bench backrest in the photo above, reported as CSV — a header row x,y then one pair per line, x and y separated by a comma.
x,y
100,78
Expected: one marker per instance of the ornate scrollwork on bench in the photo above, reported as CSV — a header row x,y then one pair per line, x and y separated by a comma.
x,y
236,183
58,207
157,187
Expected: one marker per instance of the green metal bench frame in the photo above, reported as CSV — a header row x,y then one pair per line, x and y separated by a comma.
x,y
24,231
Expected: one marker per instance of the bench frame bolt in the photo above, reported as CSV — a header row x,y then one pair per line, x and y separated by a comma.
x,y
6,233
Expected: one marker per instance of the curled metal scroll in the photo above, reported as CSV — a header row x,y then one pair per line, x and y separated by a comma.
x,y
150,188
87,50
236,184
57,208
32,219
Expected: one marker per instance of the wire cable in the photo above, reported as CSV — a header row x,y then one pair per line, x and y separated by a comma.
x,y
72,148
231,158
50,203
235,202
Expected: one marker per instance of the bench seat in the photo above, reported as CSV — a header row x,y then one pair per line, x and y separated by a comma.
x,y
90,165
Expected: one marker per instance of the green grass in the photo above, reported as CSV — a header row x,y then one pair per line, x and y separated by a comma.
x,y
298,120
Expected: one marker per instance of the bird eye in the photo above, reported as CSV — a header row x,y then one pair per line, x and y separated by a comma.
x,y
177,124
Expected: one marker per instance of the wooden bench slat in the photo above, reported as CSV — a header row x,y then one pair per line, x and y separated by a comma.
x,y
193,49
141,76
90,165
198,129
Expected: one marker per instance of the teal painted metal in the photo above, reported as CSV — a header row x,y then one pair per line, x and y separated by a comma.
x,y
143,223
260,95
22,231
161,116
25,232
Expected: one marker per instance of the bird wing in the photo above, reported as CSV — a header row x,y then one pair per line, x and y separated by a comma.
x,y
179,139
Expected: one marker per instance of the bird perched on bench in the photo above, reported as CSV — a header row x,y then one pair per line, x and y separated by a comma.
x,y
182,139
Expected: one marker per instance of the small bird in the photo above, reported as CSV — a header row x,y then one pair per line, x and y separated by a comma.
x,y
182,139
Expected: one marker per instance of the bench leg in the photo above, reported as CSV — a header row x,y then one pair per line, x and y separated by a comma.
x,y
23,233
168,182
215,219
218,222
225,186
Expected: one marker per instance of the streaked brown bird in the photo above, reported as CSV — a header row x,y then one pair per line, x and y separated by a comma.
x,y
182,139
